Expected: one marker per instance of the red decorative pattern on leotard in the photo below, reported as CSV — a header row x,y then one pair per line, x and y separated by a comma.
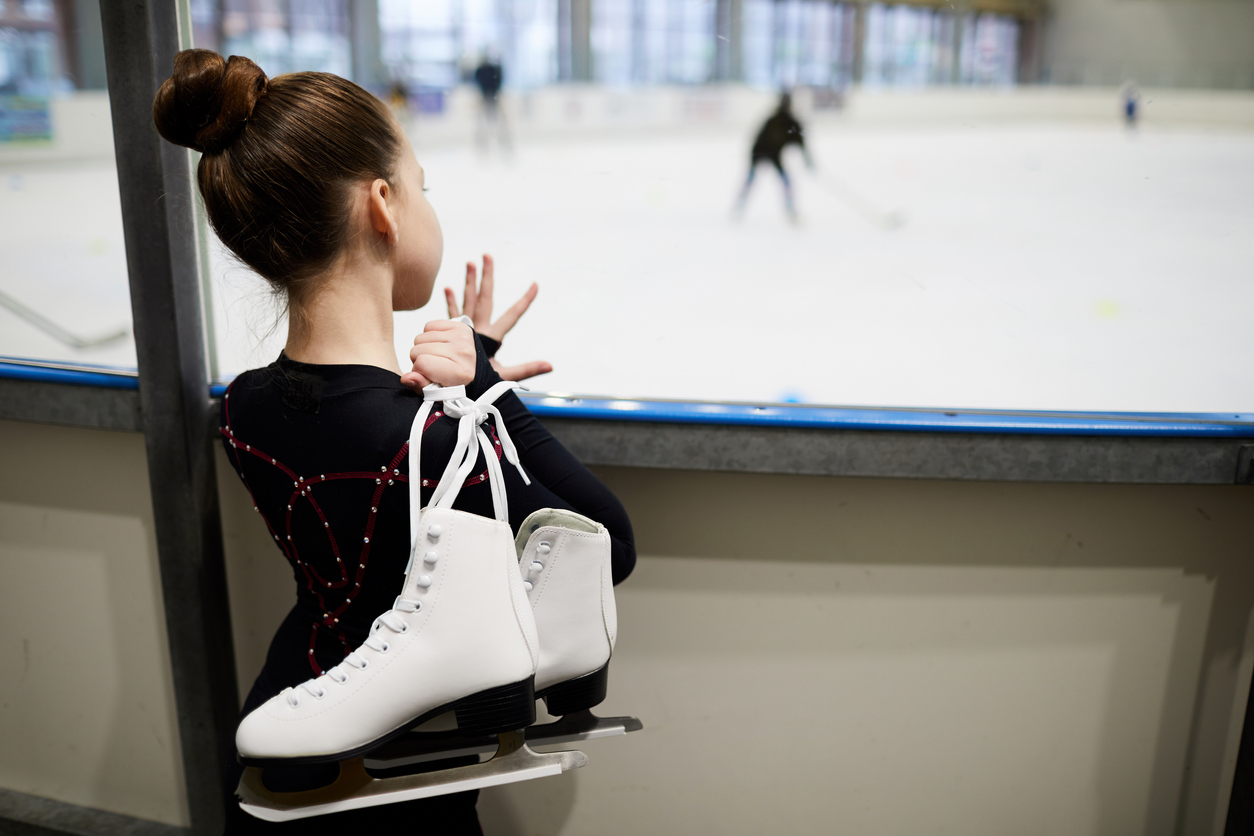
x,y
302,489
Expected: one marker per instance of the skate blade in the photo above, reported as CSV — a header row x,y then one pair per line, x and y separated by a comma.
x,y
581,725
355,788
573,728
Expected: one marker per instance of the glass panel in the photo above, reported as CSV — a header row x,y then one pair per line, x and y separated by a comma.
x,y
63,283
962,240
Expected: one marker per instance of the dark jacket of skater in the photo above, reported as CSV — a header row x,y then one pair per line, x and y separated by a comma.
x,y
779,131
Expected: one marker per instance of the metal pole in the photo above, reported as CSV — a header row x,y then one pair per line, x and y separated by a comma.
x,y
955,69
366,44
722,57
639,53
155,182
581,40
859,43
563,40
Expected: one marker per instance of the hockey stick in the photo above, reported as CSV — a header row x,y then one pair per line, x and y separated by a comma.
x,y
890,220
56,331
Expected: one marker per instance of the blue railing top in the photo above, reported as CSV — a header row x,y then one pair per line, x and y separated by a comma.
x,y
79,374
898,419
1195,425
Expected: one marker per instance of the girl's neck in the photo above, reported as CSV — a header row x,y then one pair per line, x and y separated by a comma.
x,y
347,318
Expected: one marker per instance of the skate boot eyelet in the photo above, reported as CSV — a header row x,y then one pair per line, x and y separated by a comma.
x,y
431,557
543,548
528,585
386,647
424,581
434,532
405,626
536,566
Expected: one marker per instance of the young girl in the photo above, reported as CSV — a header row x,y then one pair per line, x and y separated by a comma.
x,y
312,183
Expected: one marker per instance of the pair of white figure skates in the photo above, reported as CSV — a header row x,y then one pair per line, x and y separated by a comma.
x,y
484,625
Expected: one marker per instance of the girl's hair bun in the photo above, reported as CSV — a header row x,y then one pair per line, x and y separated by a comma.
x,y
207,100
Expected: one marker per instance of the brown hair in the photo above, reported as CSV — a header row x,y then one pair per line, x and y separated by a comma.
x,y
278,157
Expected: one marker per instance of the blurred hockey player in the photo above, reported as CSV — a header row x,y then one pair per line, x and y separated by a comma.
x,y
489,76
780,130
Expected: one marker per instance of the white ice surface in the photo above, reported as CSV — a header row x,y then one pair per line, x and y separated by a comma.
x,y
1042,267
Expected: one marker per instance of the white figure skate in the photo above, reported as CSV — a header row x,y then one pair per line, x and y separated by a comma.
x,y
564,560
461,638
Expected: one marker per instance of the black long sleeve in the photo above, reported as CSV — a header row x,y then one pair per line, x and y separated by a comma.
x,y
558,479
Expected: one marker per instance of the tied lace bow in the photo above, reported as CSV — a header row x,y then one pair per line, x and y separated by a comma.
x,y
471,415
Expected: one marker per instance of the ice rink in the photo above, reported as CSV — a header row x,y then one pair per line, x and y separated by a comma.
x,y
1046,266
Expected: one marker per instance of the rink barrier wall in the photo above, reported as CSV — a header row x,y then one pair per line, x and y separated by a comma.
x,y
980,445
1236,425
574,110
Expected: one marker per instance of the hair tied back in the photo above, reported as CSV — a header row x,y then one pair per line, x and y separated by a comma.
x,y
206,102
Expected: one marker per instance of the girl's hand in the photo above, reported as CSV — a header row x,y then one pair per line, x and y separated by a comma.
x,y
478,306
443,354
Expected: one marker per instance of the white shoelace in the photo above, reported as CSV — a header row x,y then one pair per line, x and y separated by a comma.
x,y
471,415
353,660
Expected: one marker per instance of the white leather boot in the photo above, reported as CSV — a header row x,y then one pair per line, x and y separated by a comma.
x,y
564,560
565,566
460,637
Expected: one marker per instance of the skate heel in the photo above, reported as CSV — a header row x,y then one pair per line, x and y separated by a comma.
x,y
577,694
501,709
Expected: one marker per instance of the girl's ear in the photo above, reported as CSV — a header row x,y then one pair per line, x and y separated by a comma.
x,y
382,216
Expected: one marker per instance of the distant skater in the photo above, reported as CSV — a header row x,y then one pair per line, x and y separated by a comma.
x,y
1131,105
781,130
489,76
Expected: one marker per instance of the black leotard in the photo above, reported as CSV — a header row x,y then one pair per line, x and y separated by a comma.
x,y
322,449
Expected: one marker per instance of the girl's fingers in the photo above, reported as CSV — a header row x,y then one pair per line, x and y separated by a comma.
x,y
510,318
523,370
486,287
443,370
442,325
444,330
470,296
439,341
414,381
445,353
451,298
